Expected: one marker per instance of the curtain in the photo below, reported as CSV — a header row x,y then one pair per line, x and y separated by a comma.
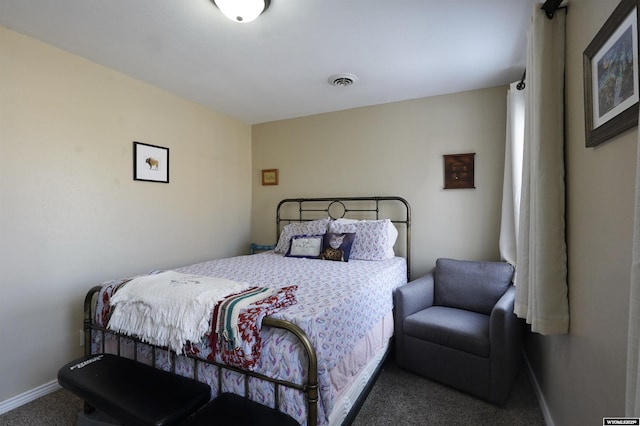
x,y
512,174
541,280
633,347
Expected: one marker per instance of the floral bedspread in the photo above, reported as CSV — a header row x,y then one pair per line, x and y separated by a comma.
x,y
337,303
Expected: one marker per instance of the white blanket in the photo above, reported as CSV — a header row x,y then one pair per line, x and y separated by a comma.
x,y
169,308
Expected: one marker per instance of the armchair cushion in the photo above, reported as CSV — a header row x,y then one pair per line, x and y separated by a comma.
x,y
455,328
471,285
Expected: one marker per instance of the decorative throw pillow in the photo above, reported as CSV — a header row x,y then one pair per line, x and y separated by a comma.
x,y
337,246
314,227
374,238
305,246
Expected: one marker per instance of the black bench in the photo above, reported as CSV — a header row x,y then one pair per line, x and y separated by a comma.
x,y
230,409
131,392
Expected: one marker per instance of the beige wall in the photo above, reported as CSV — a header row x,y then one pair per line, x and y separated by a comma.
x,y
394,149
71,214
582,375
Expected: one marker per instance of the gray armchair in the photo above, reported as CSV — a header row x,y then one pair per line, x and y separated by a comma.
x,y
456,326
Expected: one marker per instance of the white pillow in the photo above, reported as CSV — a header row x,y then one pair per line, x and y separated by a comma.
x,y
314,227
374,238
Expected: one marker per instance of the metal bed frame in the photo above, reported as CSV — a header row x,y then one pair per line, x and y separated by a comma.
x,y
307,207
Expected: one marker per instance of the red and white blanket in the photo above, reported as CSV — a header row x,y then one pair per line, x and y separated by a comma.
x,y
237,320
172,309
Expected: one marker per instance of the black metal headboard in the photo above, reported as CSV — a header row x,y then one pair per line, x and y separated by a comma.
x,y
396,209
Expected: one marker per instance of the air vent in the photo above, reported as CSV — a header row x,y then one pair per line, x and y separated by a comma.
x,y
342,80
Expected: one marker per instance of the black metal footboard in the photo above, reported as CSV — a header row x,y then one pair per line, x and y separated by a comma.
x,y
308,387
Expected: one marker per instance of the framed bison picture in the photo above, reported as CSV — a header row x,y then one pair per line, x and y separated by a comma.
x,y
150,163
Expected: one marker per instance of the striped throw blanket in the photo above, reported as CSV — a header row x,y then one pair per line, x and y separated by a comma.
x,y
237,321
228,311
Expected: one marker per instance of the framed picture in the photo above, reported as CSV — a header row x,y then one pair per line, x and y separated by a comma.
x,y
611,76
270,177
459,171
150,163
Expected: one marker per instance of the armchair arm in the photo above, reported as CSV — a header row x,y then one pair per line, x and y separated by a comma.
x,y
503,308
414,296
409,299
505,336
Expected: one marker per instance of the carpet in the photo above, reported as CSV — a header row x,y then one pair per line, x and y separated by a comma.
x,y
403,398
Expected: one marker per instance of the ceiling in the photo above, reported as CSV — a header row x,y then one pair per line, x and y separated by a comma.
x,y
278,66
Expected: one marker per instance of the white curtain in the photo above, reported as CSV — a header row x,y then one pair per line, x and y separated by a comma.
x,y
512,174
541,280
633,358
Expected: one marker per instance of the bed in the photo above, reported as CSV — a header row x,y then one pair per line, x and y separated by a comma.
x,y
318,356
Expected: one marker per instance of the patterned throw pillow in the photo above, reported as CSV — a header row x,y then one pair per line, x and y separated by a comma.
x,y
374,238
337,246
314,227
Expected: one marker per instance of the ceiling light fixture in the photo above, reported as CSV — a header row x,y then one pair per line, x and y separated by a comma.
x,y
242,11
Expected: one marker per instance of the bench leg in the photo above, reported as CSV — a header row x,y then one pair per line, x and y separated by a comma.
x,y
97,418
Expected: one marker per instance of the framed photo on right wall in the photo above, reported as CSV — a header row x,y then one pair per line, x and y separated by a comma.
x,y
459,171
611,76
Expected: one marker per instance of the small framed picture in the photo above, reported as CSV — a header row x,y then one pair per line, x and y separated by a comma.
x,y
150,163
459,171
611,76
270,177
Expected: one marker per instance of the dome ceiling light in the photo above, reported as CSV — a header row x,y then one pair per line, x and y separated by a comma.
x,y
242,11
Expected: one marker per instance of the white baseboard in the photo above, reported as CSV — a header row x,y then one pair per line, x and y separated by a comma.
x,y
28,396
536,389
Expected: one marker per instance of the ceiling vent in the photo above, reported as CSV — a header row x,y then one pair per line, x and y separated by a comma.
x,y
342,80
